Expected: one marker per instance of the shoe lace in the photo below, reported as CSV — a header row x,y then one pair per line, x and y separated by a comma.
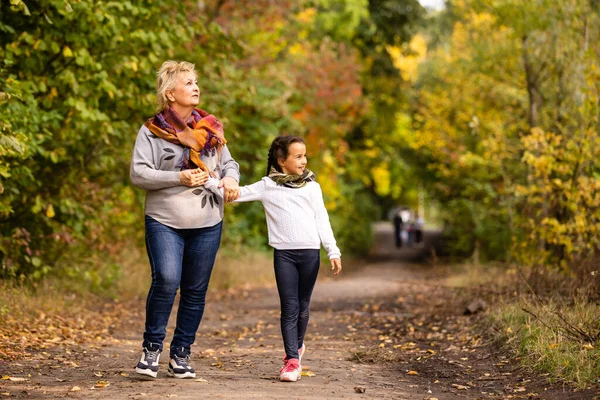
x,y
181,360
290,366
152,355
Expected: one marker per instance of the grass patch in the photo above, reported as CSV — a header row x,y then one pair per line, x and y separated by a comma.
x,y
245,268
493,276
559,338
550,331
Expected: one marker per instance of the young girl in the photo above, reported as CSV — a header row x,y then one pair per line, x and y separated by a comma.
x,y
298,223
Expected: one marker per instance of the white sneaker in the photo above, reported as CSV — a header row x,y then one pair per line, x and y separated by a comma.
x,y
291,371
179,367
148,365
301,351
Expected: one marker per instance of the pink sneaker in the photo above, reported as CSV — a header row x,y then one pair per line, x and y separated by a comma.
x,y
291,371
301,351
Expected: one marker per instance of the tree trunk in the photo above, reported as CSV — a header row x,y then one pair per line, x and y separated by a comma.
x,y
533,90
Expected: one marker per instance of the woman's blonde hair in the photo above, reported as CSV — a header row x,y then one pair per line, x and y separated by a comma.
x,y
165,80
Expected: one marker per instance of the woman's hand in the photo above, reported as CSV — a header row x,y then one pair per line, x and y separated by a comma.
x,y
231,189
193,177
336,265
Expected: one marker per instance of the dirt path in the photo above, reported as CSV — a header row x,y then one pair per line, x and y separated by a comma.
x,y
388,330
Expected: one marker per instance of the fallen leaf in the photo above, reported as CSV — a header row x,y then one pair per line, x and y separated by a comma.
x,y
460,387
75,389
124,374
201,380
412,373
16,379
359,389
102,384
308,373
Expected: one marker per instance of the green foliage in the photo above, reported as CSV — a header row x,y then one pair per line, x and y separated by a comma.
x,y
338,18
75,87
77,82
352,220
505,123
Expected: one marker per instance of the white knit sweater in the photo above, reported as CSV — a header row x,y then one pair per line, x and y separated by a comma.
x,y
296,217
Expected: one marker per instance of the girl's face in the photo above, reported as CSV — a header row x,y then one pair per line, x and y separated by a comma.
x,y
295,163
186,92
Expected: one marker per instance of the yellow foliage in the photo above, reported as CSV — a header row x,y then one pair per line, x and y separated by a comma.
x,y
328,181
470,124
407,60
381,178
307,15
67,52
297,49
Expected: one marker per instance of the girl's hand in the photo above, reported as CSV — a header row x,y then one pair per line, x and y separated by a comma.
x,y
193,177
336,265
231,189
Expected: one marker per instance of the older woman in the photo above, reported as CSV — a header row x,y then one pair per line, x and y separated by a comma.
x,y
175,154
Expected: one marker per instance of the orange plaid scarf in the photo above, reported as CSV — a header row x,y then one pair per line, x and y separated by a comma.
x,y
202,134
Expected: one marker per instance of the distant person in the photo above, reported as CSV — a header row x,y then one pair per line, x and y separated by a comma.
x,y
298,224
419,226
410,230
398,228
405,233
175,153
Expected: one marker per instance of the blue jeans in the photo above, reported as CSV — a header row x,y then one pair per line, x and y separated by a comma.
x,y
180,259
296,273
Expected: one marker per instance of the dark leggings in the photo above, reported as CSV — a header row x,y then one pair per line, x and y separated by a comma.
x,y
296,273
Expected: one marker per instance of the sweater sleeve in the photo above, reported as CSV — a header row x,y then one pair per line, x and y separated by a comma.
x,y
251,192
228,165
143,172
324,226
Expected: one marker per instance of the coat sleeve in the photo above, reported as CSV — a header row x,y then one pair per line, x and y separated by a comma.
x,y
143,171
228,165
324,226
252,192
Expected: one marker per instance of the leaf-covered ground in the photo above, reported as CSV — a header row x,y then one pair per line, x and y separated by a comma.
x,y
389,330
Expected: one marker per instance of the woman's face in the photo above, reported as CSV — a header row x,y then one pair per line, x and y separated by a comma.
x,y
186,92
295,163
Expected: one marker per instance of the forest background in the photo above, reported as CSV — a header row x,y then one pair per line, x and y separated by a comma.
x,y
487,109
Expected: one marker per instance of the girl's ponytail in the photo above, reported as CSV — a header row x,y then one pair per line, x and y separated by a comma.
x,y
269,162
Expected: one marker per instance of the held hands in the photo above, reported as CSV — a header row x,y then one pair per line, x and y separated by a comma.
x,y
336,265
231,189
193,177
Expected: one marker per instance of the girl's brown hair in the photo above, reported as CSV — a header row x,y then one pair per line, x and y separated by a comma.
x,y
279,149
